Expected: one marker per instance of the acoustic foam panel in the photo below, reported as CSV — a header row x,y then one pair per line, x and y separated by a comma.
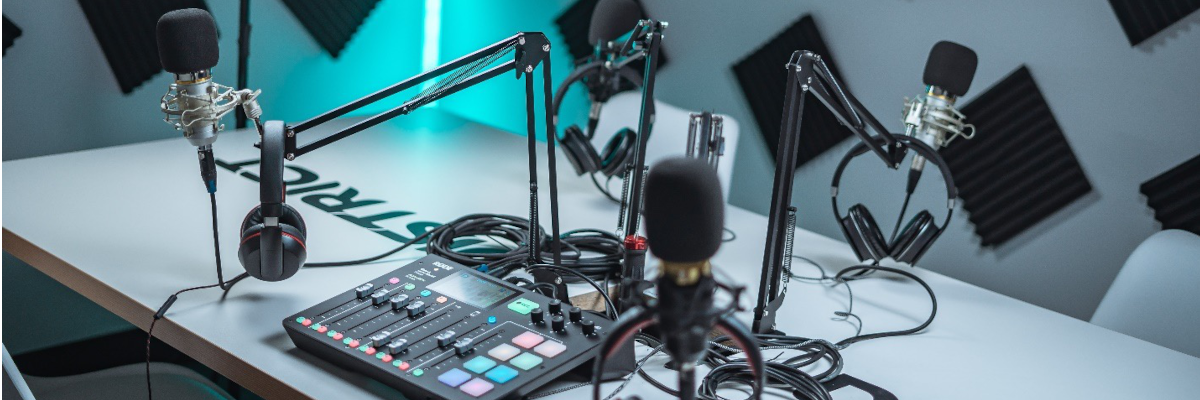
x,y
1142,19
331,22
11,32
125,30
1019,168
1175,196
574,24
763,79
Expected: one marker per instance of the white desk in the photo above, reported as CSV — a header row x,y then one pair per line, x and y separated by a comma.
x,y
127,226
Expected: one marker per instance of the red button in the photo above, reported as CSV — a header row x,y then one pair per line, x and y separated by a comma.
x,y
306,322
322,329
337,336
404,366
386,358
354,343
370,351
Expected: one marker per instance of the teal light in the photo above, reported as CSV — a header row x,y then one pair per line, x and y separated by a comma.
x,y
431,38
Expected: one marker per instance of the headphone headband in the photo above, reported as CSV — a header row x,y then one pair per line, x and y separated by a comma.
x,y
920,147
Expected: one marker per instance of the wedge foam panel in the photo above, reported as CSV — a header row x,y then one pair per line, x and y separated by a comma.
x,y
331,22
1142,19
1175,196
125,31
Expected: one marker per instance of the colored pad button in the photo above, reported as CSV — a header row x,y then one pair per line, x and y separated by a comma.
x,y
337,336
550,349
307,322
322,329
409,286
442,299
526,361
477,387
426,293
386,357
404,366
501,374
417,372
479,364
300,320
504,352
528,340
522,306
394,280
453,377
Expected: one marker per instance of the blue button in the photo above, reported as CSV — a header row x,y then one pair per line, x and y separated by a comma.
x,y
454,377
501,374
426,293
491,319
479,364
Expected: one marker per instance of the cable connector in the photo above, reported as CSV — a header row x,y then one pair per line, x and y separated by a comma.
x,y
208,168
163,310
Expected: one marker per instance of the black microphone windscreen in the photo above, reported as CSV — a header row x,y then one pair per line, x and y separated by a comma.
x,y
187,41
684,210
951,66
611,19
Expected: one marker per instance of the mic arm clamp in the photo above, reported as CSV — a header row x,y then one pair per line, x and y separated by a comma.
x,y
807,74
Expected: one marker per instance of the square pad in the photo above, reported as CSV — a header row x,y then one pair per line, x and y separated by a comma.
x,y
501,374
550,349
526,361
477,387
528,340
454,377
504,352
479,364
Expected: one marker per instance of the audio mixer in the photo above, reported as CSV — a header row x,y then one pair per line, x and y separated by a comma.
x,y
435,329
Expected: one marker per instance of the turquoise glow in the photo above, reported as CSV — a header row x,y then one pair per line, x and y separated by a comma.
x,y
431,38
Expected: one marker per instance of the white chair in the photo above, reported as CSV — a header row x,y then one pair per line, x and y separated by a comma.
x,y
669,136
1156,296
119,383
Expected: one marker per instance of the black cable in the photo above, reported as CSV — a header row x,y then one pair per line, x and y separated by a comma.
x,y
221,283
732,236
900,219
932,298
604,188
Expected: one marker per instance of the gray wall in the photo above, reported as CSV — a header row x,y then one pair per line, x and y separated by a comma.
x,y
1129,114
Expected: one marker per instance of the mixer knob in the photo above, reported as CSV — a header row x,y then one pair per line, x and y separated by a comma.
x,y
555,306
575,313
557,323
415,308
589,327
537,316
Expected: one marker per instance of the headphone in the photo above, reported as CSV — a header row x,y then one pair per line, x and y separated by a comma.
x,y
577,145
918,234
272,240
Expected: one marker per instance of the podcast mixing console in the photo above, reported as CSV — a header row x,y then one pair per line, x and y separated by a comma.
x,y
435,329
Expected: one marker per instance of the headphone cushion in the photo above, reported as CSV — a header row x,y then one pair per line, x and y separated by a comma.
x,y
289,217
867,231
294,252
916,237
579,151
616,152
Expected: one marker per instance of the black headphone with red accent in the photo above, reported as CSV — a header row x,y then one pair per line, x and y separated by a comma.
x,y
576,144
918,234
272,241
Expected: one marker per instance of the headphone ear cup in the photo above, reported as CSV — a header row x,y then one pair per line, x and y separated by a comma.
x,y
292,217
617,152
579,151
866,233
916,237
292,237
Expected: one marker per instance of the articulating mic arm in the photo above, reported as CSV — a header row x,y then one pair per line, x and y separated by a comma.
x,y
528,50
807,75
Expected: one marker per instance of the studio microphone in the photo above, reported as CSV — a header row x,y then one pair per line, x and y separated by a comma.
x,y
194,104
610,20
931,117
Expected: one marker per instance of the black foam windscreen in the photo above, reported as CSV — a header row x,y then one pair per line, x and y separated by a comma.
x,y
762,76
332,23
187,41
951,66
1174,196
684,210
1019,169
611,19
125,30
11,32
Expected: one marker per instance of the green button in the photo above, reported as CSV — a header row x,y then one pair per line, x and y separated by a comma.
x,y
379,355
299,320
331,333
363,348
522,306
526,361
418,372
315,327
426,293
409,286
347,340
396,363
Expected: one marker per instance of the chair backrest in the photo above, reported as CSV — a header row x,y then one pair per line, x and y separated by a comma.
x,y
1156,296
669,136
14,383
